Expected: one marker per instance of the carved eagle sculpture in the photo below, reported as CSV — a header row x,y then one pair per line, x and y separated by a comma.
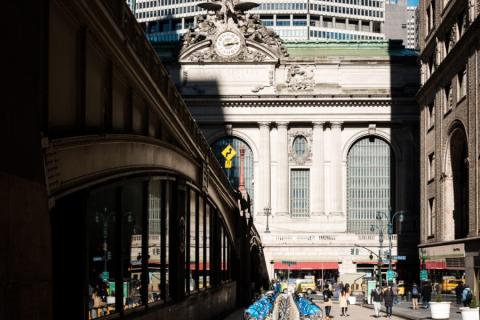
x,y
228,7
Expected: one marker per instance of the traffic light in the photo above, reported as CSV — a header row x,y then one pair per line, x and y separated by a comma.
x,y
352,251
371,256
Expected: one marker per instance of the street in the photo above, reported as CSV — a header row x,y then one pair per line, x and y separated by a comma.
x,y
355,312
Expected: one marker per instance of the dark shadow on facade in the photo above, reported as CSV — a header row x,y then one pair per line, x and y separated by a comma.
x,y
405,132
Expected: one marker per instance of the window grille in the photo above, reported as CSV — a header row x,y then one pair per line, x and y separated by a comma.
x,y
300,192
369,181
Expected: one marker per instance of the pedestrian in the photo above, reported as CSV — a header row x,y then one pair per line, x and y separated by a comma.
x,y
343,302
415,295
388,300
327,301
467,296
376,299
347,293
395,293
426,294
458,292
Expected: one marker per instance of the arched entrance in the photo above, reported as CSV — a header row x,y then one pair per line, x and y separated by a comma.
x,y
456,183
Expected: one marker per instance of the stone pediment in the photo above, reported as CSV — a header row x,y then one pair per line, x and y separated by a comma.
x,y
229,35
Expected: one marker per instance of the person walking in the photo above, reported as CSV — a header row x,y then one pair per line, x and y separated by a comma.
x,y
343,302
415,296
426,294
467,296
388,300
377,299
458,292
327,301
395,293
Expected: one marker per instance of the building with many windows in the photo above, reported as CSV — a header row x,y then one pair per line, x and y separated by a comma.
x,y
412,28
325,139
449,102
335,20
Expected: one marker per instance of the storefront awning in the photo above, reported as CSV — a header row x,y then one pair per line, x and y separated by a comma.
x,y
435,265
306,265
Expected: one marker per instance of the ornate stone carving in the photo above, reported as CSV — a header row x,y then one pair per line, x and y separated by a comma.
x,y
300,78
293,133
229,15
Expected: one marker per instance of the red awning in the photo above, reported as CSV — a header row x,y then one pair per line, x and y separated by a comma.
x,y
435,264
375,262
306,265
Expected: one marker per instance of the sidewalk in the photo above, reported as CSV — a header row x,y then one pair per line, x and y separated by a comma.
x,y
404,310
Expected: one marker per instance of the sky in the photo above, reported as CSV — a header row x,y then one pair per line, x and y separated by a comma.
x,y
413,2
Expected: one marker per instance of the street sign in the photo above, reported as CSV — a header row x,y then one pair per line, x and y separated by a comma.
x,y
228,164
423,275
105,275
400,258
390,275
229,153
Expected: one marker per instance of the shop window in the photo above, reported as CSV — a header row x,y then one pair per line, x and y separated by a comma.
x,y
201,243
193,249
132,258
208,245
102,213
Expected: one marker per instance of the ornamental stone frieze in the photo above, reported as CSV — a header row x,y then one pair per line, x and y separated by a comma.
x,y
300,77
229,34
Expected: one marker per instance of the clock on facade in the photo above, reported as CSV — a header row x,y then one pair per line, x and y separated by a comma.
x,y
228,44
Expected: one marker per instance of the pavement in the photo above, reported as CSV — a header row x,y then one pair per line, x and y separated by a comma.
x,y
361,312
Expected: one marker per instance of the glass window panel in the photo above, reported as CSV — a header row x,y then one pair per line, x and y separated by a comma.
x,y
193,272
201,241
168,199
368,183
154,240
208,218
101,217
300,192
131,215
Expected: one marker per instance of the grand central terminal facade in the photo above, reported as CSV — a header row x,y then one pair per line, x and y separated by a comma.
x,y
325,136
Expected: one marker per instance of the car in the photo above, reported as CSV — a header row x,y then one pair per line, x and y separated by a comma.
x,y
449,285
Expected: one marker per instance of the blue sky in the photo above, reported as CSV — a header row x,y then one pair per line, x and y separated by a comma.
x,y
413,2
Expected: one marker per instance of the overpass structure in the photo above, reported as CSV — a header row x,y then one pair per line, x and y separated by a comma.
x,y
113,204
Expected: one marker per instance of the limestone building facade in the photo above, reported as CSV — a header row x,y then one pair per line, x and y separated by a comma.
x,y
326,136
449,41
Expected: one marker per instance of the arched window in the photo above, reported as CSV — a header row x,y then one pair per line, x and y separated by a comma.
x,y
369,183
233,173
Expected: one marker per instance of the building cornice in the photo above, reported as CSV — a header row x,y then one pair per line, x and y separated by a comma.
x,y
296,101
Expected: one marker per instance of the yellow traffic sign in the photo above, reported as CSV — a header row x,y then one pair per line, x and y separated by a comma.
x,y
228,164
228,153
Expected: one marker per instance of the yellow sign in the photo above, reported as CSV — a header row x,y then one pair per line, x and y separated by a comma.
x,y
228,153
228,164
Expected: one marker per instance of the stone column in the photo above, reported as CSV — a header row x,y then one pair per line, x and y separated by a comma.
x,y
318,170
282,169
336,166
264,176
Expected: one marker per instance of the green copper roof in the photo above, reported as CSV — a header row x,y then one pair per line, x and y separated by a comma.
x,y
371,48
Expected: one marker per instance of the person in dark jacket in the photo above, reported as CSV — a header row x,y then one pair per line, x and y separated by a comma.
x,y
426,294
388,300
377,297
458,292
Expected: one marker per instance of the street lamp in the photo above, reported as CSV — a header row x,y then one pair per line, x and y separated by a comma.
x,y
267,211
380,240
379,217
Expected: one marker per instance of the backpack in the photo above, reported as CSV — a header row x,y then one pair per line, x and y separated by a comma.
x,y
414,291
468,296
326,296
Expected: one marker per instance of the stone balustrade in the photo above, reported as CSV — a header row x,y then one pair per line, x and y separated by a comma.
x,y
341,239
